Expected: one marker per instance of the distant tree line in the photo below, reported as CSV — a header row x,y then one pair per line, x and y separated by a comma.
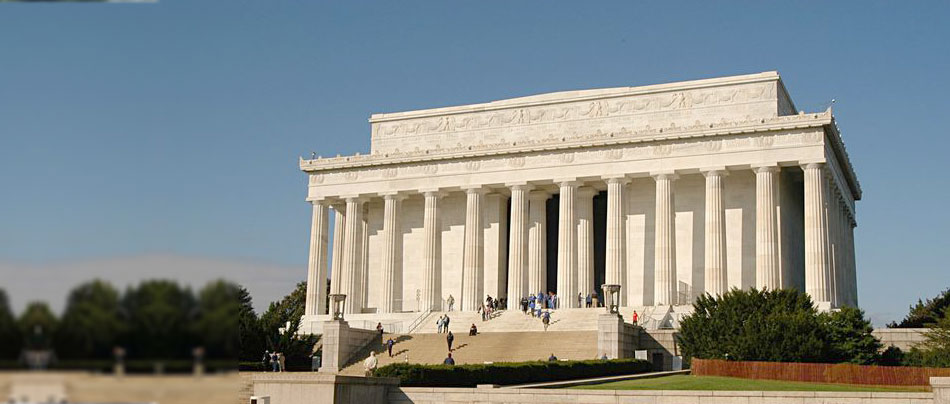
x,y
156,320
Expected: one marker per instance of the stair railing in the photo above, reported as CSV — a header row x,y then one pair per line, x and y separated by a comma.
x,y
418,321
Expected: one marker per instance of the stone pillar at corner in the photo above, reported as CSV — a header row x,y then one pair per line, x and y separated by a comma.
x,y
585,242
567,245
336,266
518,244
473,256
392,251
352,250
816,236
616,237
715,275
665,243
317,265
767,267
431,265
537,242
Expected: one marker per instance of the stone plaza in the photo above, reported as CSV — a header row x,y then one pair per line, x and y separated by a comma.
x,y
670,191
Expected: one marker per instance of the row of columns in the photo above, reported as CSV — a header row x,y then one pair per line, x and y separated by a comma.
x,y
829,251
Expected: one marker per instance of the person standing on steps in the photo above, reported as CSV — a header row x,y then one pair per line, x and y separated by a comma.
x,y
449,338
635,318
445,323
546,319
588,300
580,299
370,364
389,346
439,323
451,302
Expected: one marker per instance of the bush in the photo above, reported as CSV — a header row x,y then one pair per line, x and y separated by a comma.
x,y
415,375
753,325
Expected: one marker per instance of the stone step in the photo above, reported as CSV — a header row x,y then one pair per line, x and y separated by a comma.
x,y
481,348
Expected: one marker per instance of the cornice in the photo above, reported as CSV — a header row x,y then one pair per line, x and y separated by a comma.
x,y
598,138
841,152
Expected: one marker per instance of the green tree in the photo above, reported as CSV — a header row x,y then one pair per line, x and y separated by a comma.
x,y
925,313
38,325
10,339
158,313
288,310
849,337
934,351
251,335
92,323
753,325
218,316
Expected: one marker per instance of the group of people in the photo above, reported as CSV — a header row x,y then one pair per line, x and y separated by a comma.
x,y
276,360
443,323
488,308
591,300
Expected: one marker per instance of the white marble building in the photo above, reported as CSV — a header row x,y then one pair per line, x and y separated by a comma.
x,y
669,190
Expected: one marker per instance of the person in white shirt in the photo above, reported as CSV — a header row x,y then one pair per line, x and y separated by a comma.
x,y
371,363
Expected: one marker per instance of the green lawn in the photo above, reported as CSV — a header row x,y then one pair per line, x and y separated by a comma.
x,y
688,382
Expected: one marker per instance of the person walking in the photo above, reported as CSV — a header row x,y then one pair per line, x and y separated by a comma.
x,y
636,317
580,299
588,300
370,364
448,360
449,338
439,323
389,346
274,363
546,319
379,329
445,323
451,302
282,361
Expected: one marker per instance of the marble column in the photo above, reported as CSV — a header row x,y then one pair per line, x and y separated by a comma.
x,y
317,266
767,269
716,275
567,245
518,244
392,251
364,260
834,228
431,247
816,241
473,254
665,243
852,264
537,242
336,264
616,234
352,249
585,241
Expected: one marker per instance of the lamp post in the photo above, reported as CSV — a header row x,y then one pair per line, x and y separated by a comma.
x,y
611,298
337,302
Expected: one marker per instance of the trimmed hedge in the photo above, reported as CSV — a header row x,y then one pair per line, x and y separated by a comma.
x,y
507,373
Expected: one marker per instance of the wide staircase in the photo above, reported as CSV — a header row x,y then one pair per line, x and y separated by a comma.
x,y
432,348
513,321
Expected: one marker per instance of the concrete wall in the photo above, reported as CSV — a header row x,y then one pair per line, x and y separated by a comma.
x,y
307,388
421,395
341,343
903,338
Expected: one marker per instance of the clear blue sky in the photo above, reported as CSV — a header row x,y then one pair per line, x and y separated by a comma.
x,y
173,129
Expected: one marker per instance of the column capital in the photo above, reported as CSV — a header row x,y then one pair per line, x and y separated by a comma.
x,y
395,196
353,198
766,168
664,175
714,171
616,179
568,182
586,191
432,192
538,195
812,164
320,202
520,186
475,189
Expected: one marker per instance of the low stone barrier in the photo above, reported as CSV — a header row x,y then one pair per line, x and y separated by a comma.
x,y
422,395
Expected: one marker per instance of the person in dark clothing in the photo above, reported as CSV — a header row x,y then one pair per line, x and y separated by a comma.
x,y
448,360
473,331
389,346
449,338
552,358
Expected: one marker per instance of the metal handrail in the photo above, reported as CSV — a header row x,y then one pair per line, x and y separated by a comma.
x,y
418,321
